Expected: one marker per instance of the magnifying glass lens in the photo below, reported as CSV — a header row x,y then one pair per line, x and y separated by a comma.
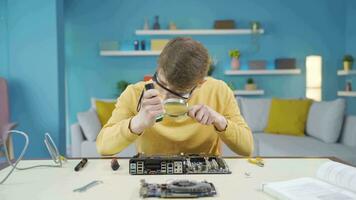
x,y
175,107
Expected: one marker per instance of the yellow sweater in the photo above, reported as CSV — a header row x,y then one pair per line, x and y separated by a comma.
x,y
183,135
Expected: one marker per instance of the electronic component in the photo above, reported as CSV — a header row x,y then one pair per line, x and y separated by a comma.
x,y
114,164
81,164
180,164
177,189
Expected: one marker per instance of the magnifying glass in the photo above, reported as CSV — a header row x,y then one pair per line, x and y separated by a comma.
x,y
175,107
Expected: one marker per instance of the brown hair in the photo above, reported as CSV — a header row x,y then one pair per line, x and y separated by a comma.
x,y
184,63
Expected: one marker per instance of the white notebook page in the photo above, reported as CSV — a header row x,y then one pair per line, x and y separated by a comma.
x,y
307,189
338,174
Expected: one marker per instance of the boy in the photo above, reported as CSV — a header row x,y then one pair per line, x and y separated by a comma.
x,y
213,116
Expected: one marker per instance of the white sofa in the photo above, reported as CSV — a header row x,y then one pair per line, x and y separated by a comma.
x,y
255,112
343,127
85,131
82,147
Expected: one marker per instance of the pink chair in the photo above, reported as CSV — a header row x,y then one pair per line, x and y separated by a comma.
x,y
5,125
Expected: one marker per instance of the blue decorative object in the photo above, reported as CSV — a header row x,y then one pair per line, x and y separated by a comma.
x,y
136,45
143,45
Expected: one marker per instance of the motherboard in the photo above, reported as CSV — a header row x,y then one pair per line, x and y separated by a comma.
x,y
177,164
177,189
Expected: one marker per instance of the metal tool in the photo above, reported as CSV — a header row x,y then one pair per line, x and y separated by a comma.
x,y
88,186
256,161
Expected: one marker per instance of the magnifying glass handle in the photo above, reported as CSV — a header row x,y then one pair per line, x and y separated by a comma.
x,y
150,86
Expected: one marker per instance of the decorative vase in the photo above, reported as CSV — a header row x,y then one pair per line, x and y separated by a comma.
x,y
235,63
250,86
347,65
146,25
156,25
172,26
348,86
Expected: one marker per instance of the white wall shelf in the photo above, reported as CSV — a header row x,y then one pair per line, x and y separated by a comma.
x,y
129,53
345,73
264,72
248,92
198,32
346,93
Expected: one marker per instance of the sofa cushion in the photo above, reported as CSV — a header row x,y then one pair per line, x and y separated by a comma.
x,y
90,124
104,111
288,117
325,120
348,136
255,112
283,145
93,101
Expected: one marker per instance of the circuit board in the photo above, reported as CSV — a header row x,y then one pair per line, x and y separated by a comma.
x,y
177,189
179,164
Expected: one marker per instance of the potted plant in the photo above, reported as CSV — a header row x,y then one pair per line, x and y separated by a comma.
x,y
235,56
121,86
348,61
250,85
211,69
212,64
255,26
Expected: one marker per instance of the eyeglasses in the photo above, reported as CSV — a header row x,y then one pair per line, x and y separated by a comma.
x,y
155,79
183,96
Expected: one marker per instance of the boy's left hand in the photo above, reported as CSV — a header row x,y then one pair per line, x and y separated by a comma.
x,y
207,116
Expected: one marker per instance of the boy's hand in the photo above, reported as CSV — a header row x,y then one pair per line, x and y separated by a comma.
x,y
207,116
151,107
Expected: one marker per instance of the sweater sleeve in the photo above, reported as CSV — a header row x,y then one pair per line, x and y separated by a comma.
x,y
237,135
115,135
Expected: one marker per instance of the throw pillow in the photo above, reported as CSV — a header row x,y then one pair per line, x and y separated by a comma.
x,y
104,110
255,111
325,120
90,124
288,117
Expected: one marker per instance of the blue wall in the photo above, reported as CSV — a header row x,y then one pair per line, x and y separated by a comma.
x,y
34,71
351,49
293,29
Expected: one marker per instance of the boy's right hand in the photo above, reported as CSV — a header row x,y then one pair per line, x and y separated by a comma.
x,y
151,107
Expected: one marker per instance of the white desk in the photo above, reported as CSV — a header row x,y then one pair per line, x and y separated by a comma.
x,y
58,183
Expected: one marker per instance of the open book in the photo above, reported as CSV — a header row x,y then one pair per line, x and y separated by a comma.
x,y
333,181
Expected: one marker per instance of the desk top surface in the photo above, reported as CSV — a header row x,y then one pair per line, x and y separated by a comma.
x,y
58,183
